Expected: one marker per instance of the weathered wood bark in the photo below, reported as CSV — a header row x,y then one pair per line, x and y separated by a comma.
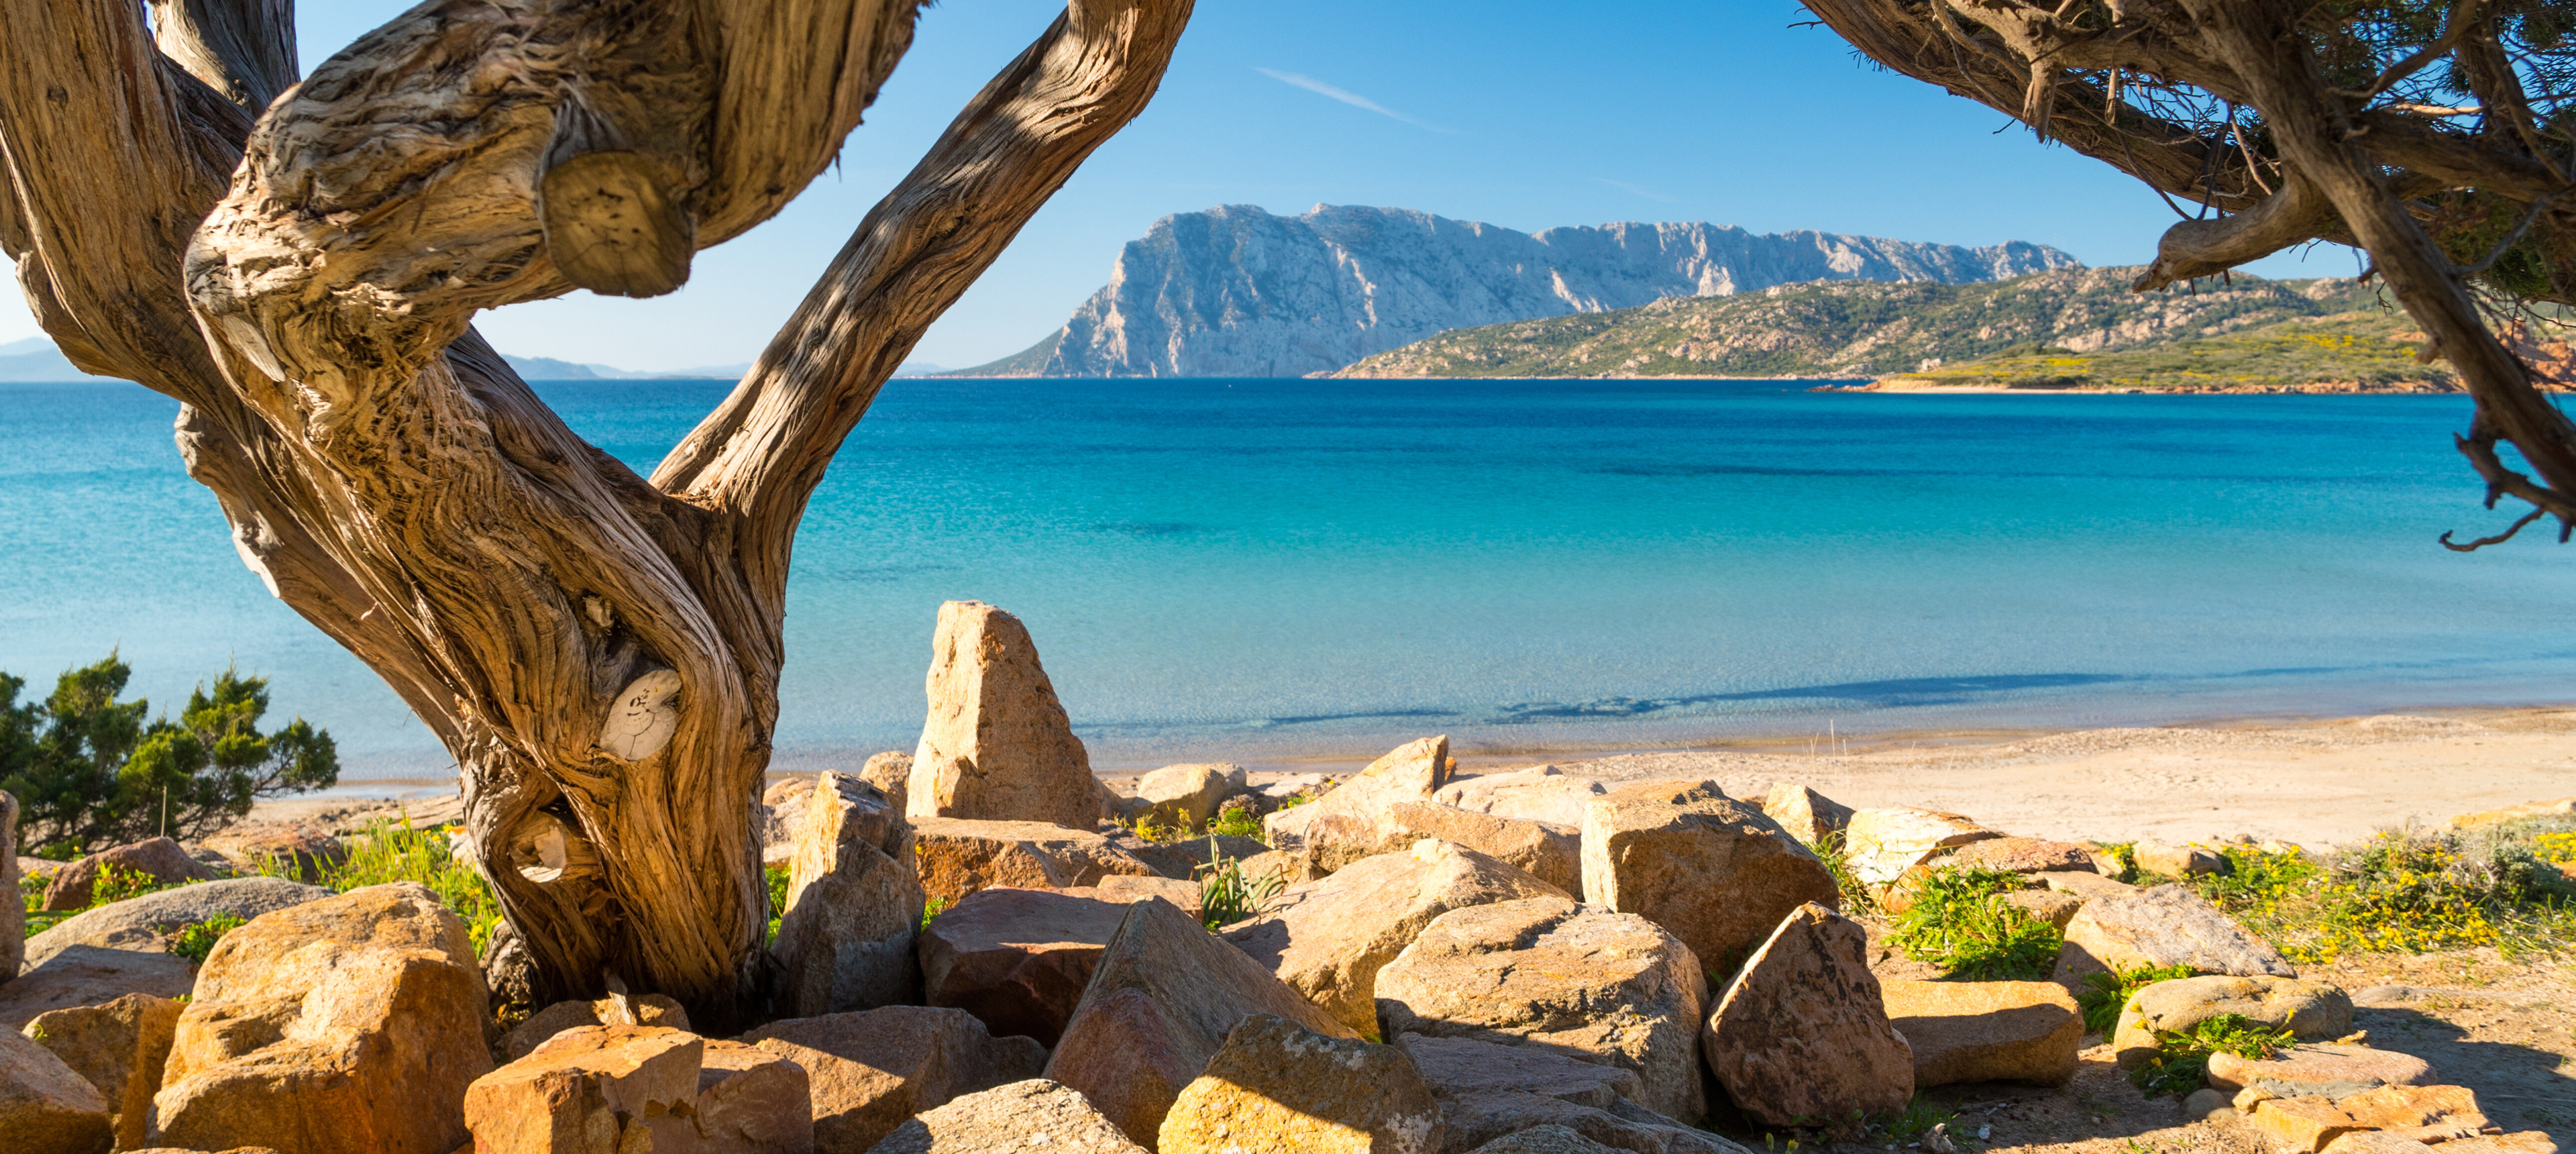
x,y
599,652
2358,163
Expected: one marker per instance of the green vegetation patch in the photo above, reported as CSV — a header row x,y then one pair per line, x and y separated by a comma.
x,y
2105,994
2369,351
1960,922
2407,891
2181,1064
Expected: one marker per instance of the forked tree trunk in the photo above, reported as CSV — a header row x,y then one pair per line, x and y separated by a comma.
x,y
599,652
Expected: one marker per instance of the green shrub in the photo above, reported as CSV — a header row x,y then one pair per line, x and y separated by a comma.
x,y
931,910
89,771
2403,891
1225,895
196,940
1858,899
1960,922
2181,1064
2106,994
1239,822
776,877
395,852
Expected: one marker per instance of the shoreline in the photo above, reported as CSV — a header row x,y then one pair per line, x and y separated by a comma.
x,y
2307,780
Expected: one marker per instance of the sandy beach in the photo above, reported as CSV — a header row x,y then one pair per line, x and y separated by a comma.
x,y
2314,783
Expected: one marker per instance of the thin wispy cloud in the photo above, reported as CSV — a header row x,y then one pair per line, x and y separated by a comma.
x,y
1624,186
1353,99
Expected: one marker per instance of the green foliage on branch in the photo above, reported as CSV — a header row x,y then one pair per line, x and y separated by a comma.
x,y
89,771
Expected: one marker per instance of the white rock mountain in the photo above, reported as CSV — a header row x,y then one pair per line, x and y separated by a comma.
x,y
1237,292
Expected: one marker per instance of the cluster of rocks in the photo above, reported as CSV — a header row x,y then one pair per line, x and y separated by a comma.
x,y
1507,964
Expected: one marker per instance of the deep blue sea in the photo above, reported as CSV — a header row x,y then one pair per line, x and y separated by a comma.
x,y
1258,569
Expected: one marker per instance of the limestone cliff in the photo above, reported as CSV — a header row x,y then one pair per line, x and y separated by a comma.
x,y
1237,292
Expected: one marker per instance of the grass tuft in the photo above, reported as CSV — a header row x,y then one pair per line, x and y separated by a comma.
x,y
2106,994
2181,1064
1960,922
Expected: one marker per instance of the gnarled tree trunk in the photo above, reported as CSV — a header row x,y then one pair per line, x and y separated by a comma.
x,y
599,651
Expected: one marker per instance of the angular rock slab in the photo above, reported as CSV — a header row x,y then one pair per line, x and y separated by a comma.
x,y
353,1023
1539,793
854,904
1035,1115
891,773
1549,852
1276,1087
1490,1092
997,745
2168,925
1572,978
1349,823
750,1101
1801,1034
2319,1064
143,923
1882,844
1162,999
120,1047
2175,861
158,858
1328,939
1190,794
2311,1011
1544,1140
1987,1031
1018,959
2021,855
44,1106
1712,870
614,1010
2423,1113
90,976
871,1070
956,858
2301,1125
587,1091
1809,816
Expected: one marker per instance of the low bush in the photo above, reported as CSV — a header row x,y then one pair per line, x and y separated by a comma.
x,y
92,771
2406,891
1960,922
776,878
196,940
2181,1064
2104,995
395,852
1858,899
1239,822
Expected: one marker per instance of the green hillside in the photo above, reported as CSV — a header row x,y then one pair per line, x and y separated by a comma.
x,y
2065,329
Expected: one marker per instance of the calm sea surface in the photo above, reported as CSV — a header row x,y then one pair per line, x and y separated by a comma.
x,y
1253,570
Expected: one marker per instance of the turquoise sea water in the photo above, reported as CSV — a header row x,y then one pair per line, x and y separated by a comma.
x,y
1256,569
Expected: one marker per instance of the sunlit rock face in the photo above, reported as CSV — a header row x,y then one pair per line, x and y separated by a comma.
x,y
1237,292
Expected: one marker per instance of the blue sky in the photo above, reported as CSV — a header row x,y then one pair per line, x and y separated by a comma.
x,y
1515,113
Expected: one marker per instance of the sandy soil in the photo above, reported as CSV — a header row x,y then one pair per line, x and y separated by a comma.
x,y
2312,783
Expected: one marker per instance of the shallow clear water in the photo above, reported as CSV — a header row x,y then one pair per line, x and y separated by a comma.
x,y
1255,569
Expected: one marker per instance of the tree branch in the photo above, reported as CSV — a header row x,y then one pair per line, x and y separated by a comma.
x,y
760,455
109,156
244,49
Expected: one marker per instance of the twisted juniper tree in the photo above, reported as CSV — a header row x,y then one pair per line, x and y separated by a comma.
x,y
2439,136
298,262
